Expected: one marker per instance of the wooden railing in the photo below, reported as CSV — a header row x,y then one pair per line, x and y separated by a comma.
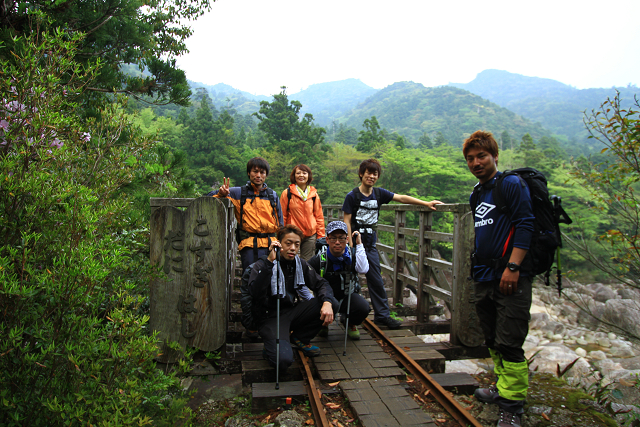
x,y
432,277
425,273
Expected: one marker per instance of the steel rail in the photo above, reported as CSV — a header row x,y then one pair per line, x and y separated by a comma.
x,y
312,391
440,394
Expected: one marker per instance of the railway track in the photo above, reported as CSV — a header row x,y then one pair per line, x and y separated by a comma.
x,y
444,398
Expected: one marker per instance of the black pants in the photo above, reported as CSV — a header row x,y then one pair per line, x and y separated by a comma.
x,y
302,321
504,319
248,256
358,311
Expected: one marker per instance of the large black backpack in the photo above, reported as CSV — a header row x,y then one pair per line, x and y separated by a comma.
x,y
548,214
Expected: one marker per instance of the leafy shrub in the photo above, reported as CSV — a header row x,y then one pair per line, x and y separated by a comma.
x,y
73,351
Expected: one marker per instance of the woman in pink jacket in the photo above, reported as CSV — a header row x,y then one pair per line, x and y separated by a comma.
x,y
301,207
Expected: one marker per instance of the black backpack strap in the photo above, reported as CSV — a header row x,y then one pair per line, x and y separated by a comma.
x,y
473,200
359,196
498,194
288,199
271,195
244,192
378,194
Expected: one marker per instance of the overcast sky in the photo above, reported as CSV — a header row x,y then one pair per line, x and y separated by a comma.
x,y
260,45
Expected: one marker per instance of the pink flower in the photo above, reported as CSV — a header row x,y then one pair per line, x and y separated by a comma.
x,y
4,125
86,136
56,143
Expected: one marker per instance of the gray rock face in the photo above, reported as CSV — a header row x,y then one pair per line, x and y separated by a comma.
x,y
623,313
554,327
628,293
591,321
604,294
552,355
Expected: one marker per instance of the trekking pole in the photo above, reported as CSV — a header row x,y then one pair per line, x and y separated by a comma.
x,y
278,296
559,273
346,324
561,218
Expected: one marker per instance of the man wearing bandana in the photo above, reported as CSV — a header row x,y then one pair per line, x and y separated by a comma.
x,y
339,266
306,300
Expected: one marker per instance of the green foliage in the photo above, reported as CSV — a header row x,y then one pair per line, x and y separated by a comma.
x,y
280,121
614,185
74,351
425,142
371,139
410,109
149,34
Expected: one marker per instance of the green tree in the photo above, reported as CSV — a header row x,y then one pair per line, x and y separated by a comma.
x,y
425,142
371,139
280,121
527,144
440,140
614,186
400,141
507,141
148,35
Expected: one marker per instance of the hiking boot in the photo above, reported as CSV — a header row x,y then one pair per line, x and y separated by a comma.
x,y
324,332
354,333
508,419
486,395
308,349
388,322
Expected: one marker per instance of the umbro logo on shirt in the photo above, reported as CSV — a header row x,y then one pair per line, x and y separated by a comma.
x,y
481,211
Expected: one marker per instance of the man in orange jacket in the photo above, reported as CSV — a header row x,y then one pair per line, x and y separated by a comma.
x,y
260,217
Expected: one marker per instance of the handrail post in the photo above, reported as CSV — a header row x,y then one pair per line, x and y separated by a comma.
x,y
424,272
465,329
398,268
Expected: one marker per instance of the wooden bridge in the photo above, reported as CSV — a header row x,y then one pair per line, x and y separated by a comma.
x,y
194,303
192,242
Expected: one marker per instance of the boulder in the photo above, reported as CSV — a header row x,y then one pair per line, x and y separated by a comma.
x,y
530,342
624,314
556,328
629,293
590,318
597,355
552,355
607,367
604,294
630,363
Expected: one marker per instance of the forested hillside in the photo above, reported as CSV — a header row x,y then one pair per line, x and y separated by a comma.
x,y
330,101
223,95
412,110
557,106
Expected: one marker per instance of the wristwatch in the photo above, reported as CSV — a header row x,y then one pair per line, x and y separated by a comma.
x,y
513,266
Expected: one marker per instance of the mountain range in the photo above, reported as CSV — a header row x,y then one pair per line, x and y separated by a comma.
x,y
495,100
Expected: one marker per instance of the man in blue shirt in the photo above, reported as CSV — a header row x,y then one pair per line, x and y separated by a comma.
x,y
502,288
361,207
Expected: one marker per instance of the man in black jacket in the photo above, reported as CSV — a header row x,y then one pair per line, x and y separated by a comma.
x,y
306,305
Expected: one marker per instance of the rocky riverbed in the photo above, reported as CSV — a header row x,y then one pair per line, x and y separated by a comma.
x,y
560,334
